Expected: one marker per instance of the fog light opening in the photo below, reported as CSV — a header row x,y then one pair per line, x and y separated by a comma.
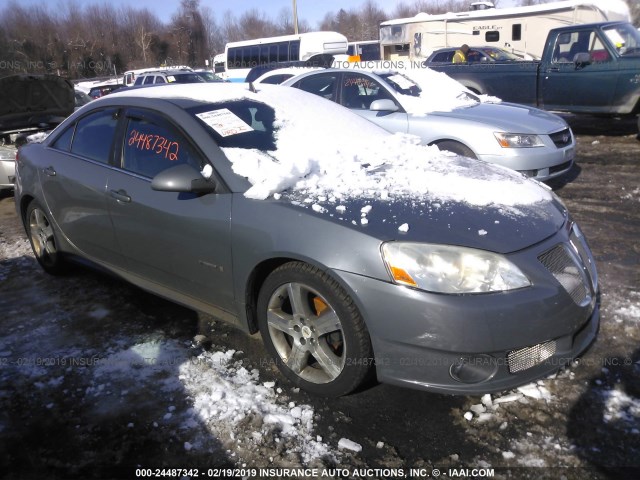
x,y
474,369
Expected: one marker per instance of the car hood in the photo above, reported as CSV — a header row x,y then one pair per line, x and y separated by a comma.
x,y
509,117
34,101
492,228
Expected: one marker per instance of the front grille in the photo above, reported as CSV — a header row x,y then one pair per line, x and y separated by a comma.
x,y
559,168
519,360
562,138
564,267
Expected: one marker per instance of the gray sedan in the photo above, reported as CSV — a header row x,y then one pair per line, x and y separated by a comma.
x,y
536,143
431,271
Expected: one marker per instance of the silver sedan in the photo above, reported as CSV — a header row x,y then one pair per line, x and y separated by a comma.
x,y
536,143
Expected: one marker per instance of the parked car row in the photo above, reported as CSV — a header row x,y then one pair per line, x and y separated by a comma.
x,y
352,250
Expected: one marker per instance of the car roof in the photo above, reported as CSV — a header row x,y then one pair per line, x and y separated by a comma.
x,y
292,70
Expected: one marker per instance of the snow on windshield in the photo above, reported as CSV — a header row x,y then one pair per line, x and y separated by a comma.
x,y
329,153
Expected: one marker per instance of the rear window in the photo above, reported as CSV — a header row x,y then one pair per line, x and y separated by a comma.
x,y
239,124
94,135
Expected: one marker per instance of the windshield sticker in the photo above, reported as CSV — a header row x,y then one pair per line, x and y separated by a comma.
x,y
171,78
155,143
402,82
224,122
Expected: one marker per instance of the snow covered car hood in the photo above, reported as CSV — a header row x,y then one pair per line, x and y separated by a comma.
x,y
508,117
28,101
450,222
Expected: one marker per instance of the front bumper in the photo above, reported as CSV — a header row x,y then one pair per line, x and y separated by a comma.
x,y
544,163
466,344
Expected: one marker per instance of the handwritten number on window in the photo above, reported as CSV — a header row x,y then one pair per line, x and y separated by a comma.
x,y
155,143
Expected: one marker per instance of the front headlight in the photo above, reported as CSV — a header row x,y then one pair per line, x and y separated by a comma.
x,y
518,140
448,269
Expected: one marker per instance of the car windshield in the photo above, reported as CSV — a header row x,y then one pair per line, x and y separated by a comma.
x,y
209,77
402,84
185,78
625,38
243,124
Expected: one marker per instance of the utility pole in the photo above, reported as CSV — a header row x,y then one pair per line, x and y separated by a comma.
x,y
295,17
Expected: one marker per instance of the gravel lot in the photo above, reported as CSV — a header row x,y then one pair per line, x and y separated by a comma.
x,y
98,378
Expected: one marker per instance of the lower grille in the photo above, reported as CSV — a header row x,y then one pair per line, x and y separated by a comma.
x,y
525,358
559,168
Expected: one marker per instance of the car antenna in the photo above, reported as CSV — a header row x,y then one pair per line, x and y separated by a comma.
x,y
252,88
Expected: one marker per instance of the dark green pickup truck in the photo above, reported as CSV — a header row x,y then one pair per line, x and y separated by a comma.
x,y
590,68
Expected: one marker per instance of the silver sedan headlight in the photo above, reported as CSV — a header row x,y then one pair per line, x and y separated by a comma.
x,y
449,269
518,140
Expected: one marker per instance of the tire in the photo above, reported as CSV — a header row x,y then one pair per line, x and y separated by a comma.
x,y
319,340
456,147
43,240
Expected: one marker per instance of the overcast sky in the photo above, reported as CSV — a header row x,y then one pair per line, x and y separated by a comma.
x,y
310,10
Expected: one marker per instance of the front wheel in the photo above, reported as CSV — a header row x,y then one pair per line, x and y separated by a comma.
x,y
457,148
43,240
314,331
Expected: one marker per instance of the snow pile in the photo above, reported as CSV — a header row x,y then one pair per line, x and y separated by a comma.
x,y
368,163
225,394
15,249
18,249
630,311
488,409
249,416
621,408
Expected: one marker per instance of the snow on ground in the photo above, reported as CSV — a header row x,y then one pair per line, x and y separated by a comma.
x,y
251,417
619,405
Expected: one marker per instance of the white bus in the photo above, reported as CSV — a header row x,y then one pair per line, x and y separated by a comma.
x,y
240,57
521,30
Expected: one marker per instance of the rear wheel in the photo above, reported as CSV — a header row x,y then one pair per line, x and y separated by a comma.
x,y
313,330
457,148
43,240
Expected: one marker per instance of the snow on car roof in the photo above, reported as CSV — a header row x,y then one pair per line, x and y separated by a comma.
x,y
327,153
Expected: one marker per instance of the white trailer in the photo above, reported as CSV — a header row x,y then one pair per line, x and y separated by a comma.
x,y
521,30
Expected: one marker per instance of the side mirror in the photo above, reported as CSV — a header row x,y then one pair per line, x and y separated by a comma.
x,y
384,105
182,178
581,59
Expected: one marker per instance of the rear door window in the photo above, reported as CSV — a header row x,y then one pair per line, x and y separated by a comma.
x,y
94,135
323,85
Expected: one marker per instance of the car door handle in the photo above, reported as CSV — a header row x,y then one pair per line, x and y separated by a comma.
x,y
553,69
120,195
50,171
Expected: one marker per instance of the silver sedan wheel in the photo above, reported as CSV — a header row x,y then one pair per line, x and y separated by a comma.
x,y
42,238
306,333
